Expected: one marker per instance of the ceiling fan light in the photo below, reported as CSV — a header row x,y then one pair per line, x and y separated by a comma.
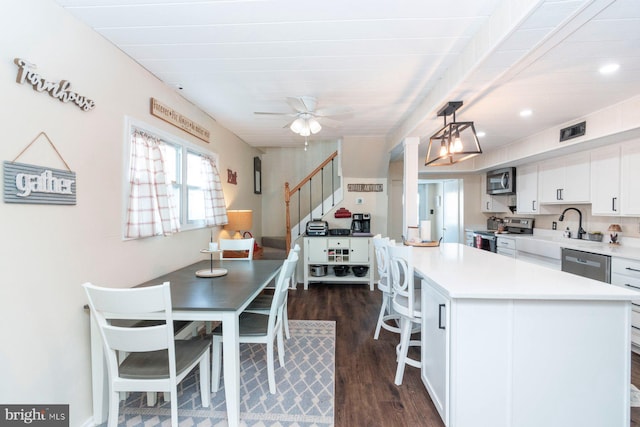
x,y
297,125
314,125
305,130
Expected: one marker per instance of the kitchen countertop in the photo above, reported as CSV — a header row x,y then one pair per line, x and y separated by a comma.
x,y
461,271
629,248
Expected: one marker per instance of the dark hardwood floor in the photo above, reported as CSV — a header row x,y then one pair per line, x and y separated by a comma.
x,y
365,394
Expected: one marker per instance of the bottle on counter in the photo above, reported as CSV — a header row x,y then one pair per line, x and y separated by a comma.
x,y
567,233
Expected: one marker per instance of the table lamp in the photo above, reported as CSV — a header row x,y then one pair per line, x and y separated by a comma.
x,y
614,229
239,220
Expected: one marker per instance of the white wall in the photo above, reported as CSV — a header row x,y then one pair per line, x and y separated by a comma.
x,y
48,251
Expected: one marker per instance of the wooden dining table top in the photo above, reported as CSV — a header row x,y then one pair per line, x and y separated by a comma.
x,y
244,280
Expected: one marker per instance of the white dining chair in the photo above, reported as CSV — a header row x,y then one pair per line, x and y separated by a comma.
x,y
154,361
387,319
236,245
262,303
406,303
260,328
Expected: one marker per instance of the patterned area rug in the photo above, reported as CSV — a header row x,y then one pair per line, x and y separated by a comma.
x,y
305,388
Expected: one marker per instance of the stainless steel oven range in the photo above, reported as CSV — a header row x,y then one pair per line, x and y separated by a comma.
x,y
486,239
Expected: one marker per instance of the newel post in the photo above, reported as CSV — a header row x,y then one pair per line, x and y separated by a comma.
x,y
287,198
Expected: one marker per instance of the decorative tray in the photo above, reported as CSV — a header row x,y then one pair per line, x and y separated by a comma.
x,y
422,244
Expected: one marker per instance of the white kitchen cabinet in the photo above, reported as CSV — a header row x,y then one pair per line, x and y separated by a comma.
x,y
506,246
626,273
469,238
512,339
527,189
605,180
565,179
435,347
332,251
491,203
630,177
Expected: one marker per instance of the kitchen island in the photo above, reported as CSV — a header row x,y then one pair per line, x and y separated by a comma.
x,y
509,343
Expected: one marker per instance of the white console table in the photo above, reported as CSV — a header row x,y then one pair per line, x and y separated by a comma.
x,y
338,250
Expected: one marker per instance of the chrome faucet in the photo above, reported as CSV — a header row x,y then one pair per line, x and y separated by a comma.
x,y
581,231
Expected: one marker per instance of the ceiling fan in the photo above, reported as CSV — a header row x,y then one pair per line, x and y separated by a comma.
x,y
306,118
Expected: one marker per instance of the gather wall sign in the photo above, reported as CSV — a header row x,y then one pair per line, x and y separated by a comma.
x,y
59,90
25,183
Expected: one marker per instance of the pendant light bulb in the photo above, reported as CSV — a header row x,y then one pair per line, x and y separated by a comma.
x,y
457,143
443,149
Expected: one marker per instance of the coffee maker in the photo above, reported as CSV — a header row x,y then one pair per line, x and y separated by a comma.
x,y
361,223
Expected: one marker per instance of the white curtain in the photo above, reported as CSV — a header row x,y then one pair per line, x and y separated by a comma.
x,y
152,208
215,211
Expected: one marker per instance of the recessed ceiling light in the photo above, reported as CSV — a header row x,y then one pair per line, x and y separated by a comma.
x,y
526,113
609,68
480,134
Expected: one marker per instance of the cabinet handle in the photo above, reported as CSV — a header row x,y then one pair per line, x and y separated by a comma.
x,y
633,269
487,205
440,307
533,205
631,286
613,204
557,194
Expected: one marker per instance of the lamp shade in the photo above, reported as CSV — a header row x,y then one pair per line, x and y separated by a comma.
x,y
239,220
615,228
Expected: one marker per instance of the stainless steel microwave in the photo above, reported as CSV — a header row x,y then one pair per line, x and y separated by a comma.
x,y
501,181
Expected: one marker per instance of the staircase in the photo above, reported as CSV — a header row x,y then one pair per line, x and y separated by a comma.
x,y
312,198
274,247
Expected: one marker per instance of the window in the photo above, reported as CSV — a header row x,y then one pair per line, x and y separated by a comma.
x,y
170,184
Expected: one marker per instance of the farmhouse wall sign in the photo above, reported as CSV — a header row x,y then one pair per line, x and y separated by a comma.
x,y
171,116
24,183
365,188
59,90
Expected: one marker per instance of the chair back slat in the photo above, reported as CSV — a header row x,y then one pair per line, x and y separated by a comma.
x,y
237,245
381,246
124,301
282,288
137,339
401,274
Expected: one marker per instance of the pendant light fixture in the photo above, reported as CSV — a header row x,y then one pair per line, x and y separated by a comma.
x,y
454,142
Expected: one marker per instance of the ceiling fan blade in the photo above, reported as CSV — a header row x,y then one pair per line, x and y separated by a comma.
x,y
302,104
330,123
271,114
333,111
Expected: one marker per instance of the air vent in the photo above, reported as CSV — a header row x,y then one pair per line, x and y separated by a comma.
x,y
573,131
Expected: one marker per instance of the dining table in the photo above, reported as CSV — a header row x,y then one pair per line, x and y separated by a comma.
x,y
221,298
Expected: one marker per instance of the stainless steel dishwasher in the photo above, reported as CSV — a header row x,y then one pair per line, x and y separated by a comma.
x,y
587,264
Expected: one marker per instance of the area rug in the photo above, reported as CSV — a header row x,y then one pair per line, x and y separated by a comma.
x,y
305,388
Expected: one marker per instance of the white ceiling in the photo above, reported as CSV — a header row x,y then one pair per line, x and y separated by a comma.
x,y
395,63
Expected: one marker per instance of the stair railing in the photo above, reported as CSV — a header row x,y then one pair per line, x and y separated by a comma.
x,y
307,183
